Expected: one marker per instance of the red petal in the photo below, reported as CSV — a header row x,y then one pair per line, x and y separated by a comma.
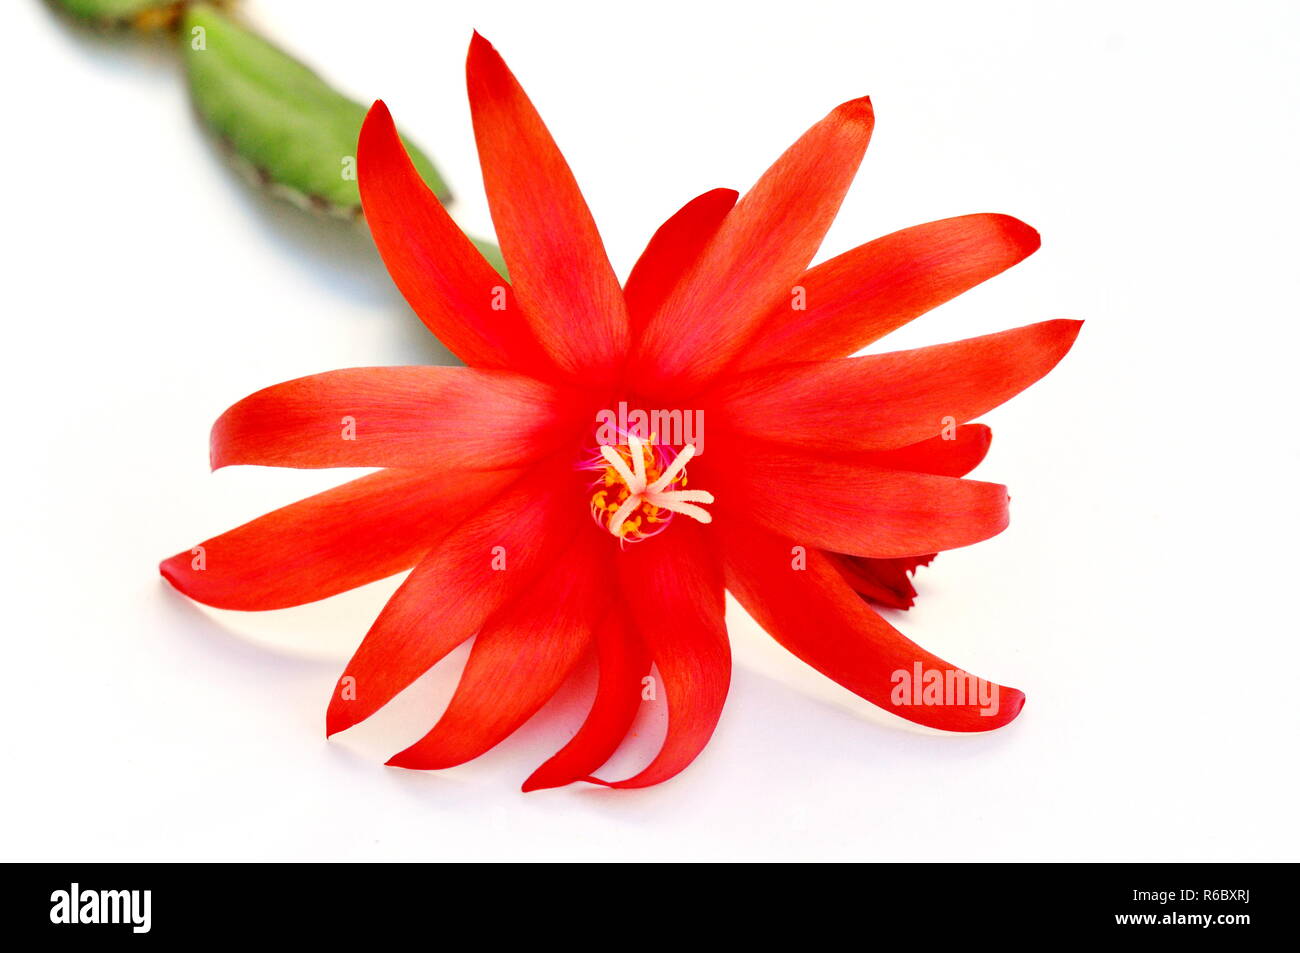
x,y
356,533
455,588
862,295
673,249
884,401
443,417
814,614
558,266
671,589
624,662
856,509
756,257
441,274
886,581
955,456
883,581
519,660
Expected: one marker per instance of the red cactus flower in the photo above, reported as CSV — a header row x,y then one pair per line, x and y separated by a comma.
x,y
823,482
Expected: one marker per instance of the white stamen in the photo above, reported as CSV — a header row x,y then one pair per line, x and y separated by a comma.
x,y
613,458
638,461
622,513
674,468
686,509
674,501
681,496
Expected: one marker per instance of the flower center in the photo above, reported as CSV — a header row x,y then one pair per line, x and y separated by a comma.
x,y
640,486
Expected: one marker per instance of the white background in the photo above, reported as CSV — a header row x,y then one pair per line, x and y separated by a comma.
x,y
1143,596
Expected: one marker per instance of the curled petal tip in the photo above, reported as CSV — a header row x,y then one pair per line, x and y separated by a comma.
x,y
377,113
174,571
859,108
1067,331
1009,230
336,721
1011,701
541,779
404,759
1015,702
417,759
856,118
1021,234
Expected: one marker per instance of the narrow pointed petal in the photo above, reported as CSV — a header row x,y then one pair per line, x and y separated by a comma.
x,y
348,536
438,417
885,401
561,274
860,296
524,653
671,252
672,593
887,582
445,279
816,615
856,509
624,662
756,257
454,589
953,456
